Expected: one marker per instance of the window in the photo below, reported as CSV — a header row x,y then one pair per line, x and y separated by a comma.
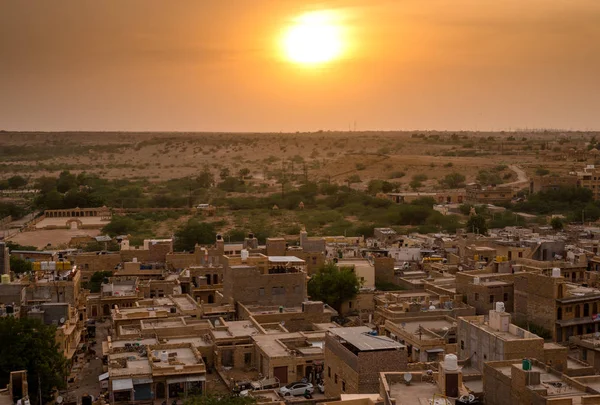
x,y
520,254
248,359
261,291
314,260
505,297
349,304
335,379
476,296
329,372
491,298
277,290
462,345
583,354
343,386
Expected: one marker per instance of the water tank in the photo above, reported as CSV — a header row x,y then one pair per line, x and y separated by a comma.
x,y
432,308
526,364
476,280
250,235
245,254
134,260
219,237
164,356
5,279
451,362
556,272
499,306
173,310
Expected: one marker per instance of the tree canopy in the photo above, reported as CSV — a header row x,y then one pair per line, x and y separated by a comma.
x,y
28,344
477,224
194,232
19,265
333,285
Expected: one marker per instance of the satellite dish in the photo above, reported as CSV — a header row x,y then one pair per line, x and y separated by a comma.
x,y
407,377
62,320
59,400
460,268
282,323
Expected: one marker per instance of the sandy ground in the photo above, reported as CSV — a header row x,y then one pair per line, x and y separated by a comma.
x,y
334,155
56,237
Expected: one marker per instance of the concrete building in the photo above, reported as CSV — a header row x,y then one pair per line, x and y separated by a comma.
x,y
552,183
483,290
533,382
396,307
480,194
561,308
497,339
426,339
290,356
590,178
354,357
264,280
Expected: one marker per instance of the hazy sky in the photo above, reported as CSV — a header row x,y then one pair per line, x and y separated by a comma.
x,y
216,65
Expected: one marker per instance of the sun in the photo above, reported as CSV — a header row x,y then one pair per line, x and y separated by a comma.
x,y
313,39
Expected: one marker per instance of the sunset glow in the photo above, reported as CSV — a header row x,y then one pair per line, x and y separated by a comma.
x,y
314,38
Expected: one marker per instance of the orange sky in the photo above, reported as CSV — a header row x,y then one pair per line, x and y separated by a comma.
x,y
200,65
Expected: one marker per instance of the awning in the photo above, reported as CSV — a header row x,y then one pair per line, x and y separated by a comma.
x,y
138,381
122,385
103,377
435,351
189,378
195,378
176,380
285,259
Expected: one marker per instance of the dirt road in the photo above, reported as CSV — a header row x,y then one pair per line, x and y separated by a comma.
x,y
522,179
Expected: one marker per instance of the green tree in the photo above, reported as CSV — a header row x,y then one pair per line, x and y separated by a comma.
x,y
224,173
557,224
120,225
66,181
477,224
28,344
192,233
19,265
540,171
333,285
15,182
214,399
205,179
453,180
244,172
97,279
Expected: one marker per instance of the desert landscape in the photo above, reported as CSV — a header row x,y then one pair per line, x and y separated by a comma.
x,y
170,170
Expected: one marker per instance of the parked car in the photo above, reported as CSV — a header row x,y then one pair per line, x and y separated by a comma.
x,y
296,388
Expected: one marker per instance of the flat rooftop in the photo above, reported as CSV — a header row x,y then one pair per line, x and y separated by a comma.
x,y
513,333
417,393
424,325
183,355
273,344
360,338
185,303
549,381
236,329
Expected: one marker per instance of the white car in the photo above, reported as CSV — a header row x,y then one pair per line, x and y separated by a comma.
x,y
296,388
